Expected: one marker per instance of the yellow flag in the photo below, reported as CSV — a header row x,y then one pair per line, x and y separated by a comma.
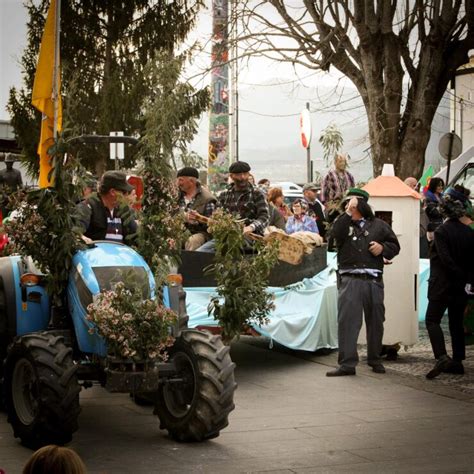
x,y
42,97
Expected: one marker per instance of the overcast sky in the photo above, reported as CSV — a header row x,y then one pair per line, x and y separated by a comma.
x,y
13,19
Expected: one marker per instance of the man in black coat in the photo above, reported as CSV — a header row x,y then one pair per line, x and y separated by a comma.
x,y
315,207
10,182
451,269
363,244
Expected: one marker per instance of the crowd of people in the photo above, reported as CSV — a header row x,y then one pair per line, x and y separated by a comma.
x,y
262,206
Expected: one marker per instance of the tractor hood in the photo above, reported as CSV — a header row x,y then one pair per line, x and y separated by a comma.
x,y
106,263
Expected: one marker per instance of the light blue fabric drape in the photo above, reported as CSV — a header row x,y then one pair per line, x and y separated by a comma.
x,y
305,314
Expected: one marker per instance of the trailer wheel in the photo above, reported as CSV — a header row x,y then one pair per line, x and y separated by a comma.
x,y
196,408
41,390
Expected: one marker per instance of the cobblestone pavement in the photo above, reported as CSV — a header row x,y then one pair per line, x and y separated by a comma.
x,y
411,366
416,361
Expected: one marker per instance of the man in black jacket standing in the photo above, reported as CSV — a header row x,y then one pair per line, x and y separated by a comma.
x,y
451,269
363,243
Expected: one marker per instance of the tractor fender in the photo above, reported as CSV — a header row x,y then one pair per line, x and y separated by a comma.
x,y
9,287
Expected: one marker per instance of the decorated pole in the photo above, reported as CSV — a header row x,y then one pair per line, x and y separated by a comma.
x,y
305,125
219,159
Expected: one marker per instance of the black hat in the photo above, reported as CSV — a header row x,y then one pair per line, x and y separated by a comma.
x,y
455,203
116,180
456,195
189,172
239,167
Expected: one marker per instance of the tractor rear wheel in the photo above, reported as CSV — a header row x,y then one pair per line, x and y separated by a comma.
x,y
41,390
3,341
197,407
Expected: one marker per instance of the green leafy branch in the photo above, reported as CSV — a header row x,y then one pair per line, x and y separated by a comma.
x,y
242,280
46,226
331,140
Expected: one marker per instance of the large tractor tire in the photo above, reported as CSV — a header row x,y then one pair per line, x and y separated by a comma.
x,y
3,342
197,408
41,390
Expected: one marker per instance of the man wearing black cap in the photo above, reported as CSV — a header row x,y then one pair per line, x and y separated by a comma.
x,y
243,200
364,243
194,198
451,270
9,176
10,181
106,215
315,207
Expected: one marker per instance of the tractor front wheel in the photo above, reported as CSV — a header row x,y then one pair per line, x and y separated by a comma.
x,y
196,407
41,390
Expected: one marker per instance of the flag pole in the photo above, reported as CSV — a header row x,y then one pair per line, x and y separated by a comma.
x,y
56,90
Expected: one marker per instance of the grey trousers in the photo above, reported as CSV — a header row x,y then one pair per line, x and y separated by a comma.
x,y
357,297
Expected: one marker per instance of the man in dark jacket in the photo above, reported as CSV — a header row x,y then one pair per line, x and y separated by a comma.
x,y
194,198
10,182
363,243
244,201
107,215
451,269
315,207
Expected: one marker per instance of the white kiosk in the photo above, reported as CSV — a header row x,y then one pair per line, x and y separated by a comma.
x,y
399,205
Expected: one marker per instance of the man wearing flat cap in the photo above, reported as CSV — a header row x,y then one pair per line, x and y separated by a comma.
x,y
10,182
243,200
194,198
364,243
9,176
106,215
315,207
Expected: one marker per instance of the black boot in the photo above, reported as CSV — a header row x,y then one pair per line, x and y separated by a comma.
x,y
454,367
441,364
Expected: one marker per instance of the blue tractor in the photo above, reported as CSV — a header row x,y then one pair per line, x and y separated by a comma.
x,y
47,360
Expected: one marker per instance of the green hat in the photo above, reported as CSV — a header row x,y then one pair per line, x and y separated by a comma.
x,y
116,180
359,193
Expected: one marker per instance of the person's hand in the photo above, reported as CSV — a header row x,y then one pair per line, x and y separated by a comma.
x,y
351,206
190,217
86,239
248,229
375,248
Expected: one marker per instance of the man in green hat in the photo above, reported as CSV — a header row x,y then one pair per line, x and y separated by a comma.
x,y
363,243
106,215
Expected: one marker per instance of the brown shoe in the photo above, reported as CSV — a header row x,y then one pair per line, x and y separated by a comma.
x,y
341,372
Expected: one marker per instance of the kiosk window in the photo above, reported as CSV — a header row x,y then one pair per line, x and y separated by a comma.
x,y
386,216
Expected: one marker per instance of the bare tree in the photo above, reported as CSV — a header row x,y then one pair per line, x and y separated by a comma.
x,y
399,55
